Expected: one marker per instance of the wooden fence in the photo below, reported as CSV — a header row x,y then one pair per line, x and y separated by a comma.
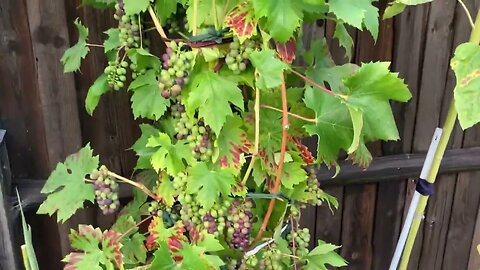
x,y
42,110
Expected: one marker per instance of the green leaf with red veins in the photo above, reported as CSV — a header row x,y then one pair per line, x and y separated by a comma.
x,y
66,186
72,57
242,21
269,68
101,248
232,144
169,157
209,184
162,259
283,17
212,95
146,99
293,174
286,51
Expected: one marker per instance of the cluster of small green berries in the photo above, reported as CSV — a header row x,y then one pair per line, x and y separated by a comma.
x,y
106,191
198,135
177,64
128,25
155,208
313,188
270,259
237,58
300,240
135,72
116,74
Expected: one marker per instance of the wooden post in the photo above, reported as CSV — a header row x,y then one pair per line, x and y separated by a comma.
x,y
7,248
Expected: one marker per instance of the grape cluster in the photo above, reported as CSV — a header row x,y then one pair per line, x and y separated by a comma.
x,y
106,191
248,263
239,223
116,74
135,72
190,207
237,58
313,188
128,25
178,22
300,240
270,259
214,219
198,135
155,209
176,66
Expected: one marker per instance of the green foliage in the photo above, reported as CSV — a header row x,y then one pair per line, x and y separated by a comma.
x,y
209,184
66,187
466,65
212,95
201,188
99,87
146,99
72,57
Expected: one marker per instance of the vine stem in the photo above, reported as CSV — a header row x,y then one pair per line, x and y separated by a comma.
x,y
467,13
256,146
214,6
306,119
140,186
308,80
283,149
157,23
94,45
437,159
133,227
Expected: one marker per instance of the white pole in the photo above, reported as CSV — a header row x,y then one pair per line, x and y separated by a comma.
x,y
416,197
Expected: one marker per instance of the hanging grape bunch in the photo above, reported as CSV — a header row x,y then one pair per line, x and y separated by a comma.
x,y
199,136
116,74
106,191
298,241
129,27
178,22
238,55
270,259
313,188
239,223
177,64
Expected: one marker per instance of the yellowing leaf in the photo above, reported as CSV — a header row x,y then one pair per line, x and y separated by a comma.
x,y
169,157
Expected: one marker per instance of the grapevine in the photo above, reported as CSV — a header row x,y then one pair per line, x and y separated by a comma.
x,y
222,171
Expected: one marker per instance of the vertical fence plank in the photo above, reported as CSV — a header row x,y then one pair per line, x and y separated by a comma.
x,y
58,99
434,105
8,249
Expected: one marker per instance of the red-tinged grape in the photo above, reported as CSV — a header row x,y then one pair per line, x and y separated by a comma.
x,y
106,191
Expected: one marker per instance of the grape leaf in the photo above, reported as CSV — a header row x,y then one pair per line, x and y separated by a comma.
x,y
212,94
163,260
466,65
165,9
98,249
72,57
66,187
113,40
322,255
283,17
232,143
135,6
168,157
286,51
99,87
344,39
334,126
143,152
269,68
208,184
357,13
242,21
143,59
133,248
371,89
166,191
194,258
393,9
293,174
146,99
